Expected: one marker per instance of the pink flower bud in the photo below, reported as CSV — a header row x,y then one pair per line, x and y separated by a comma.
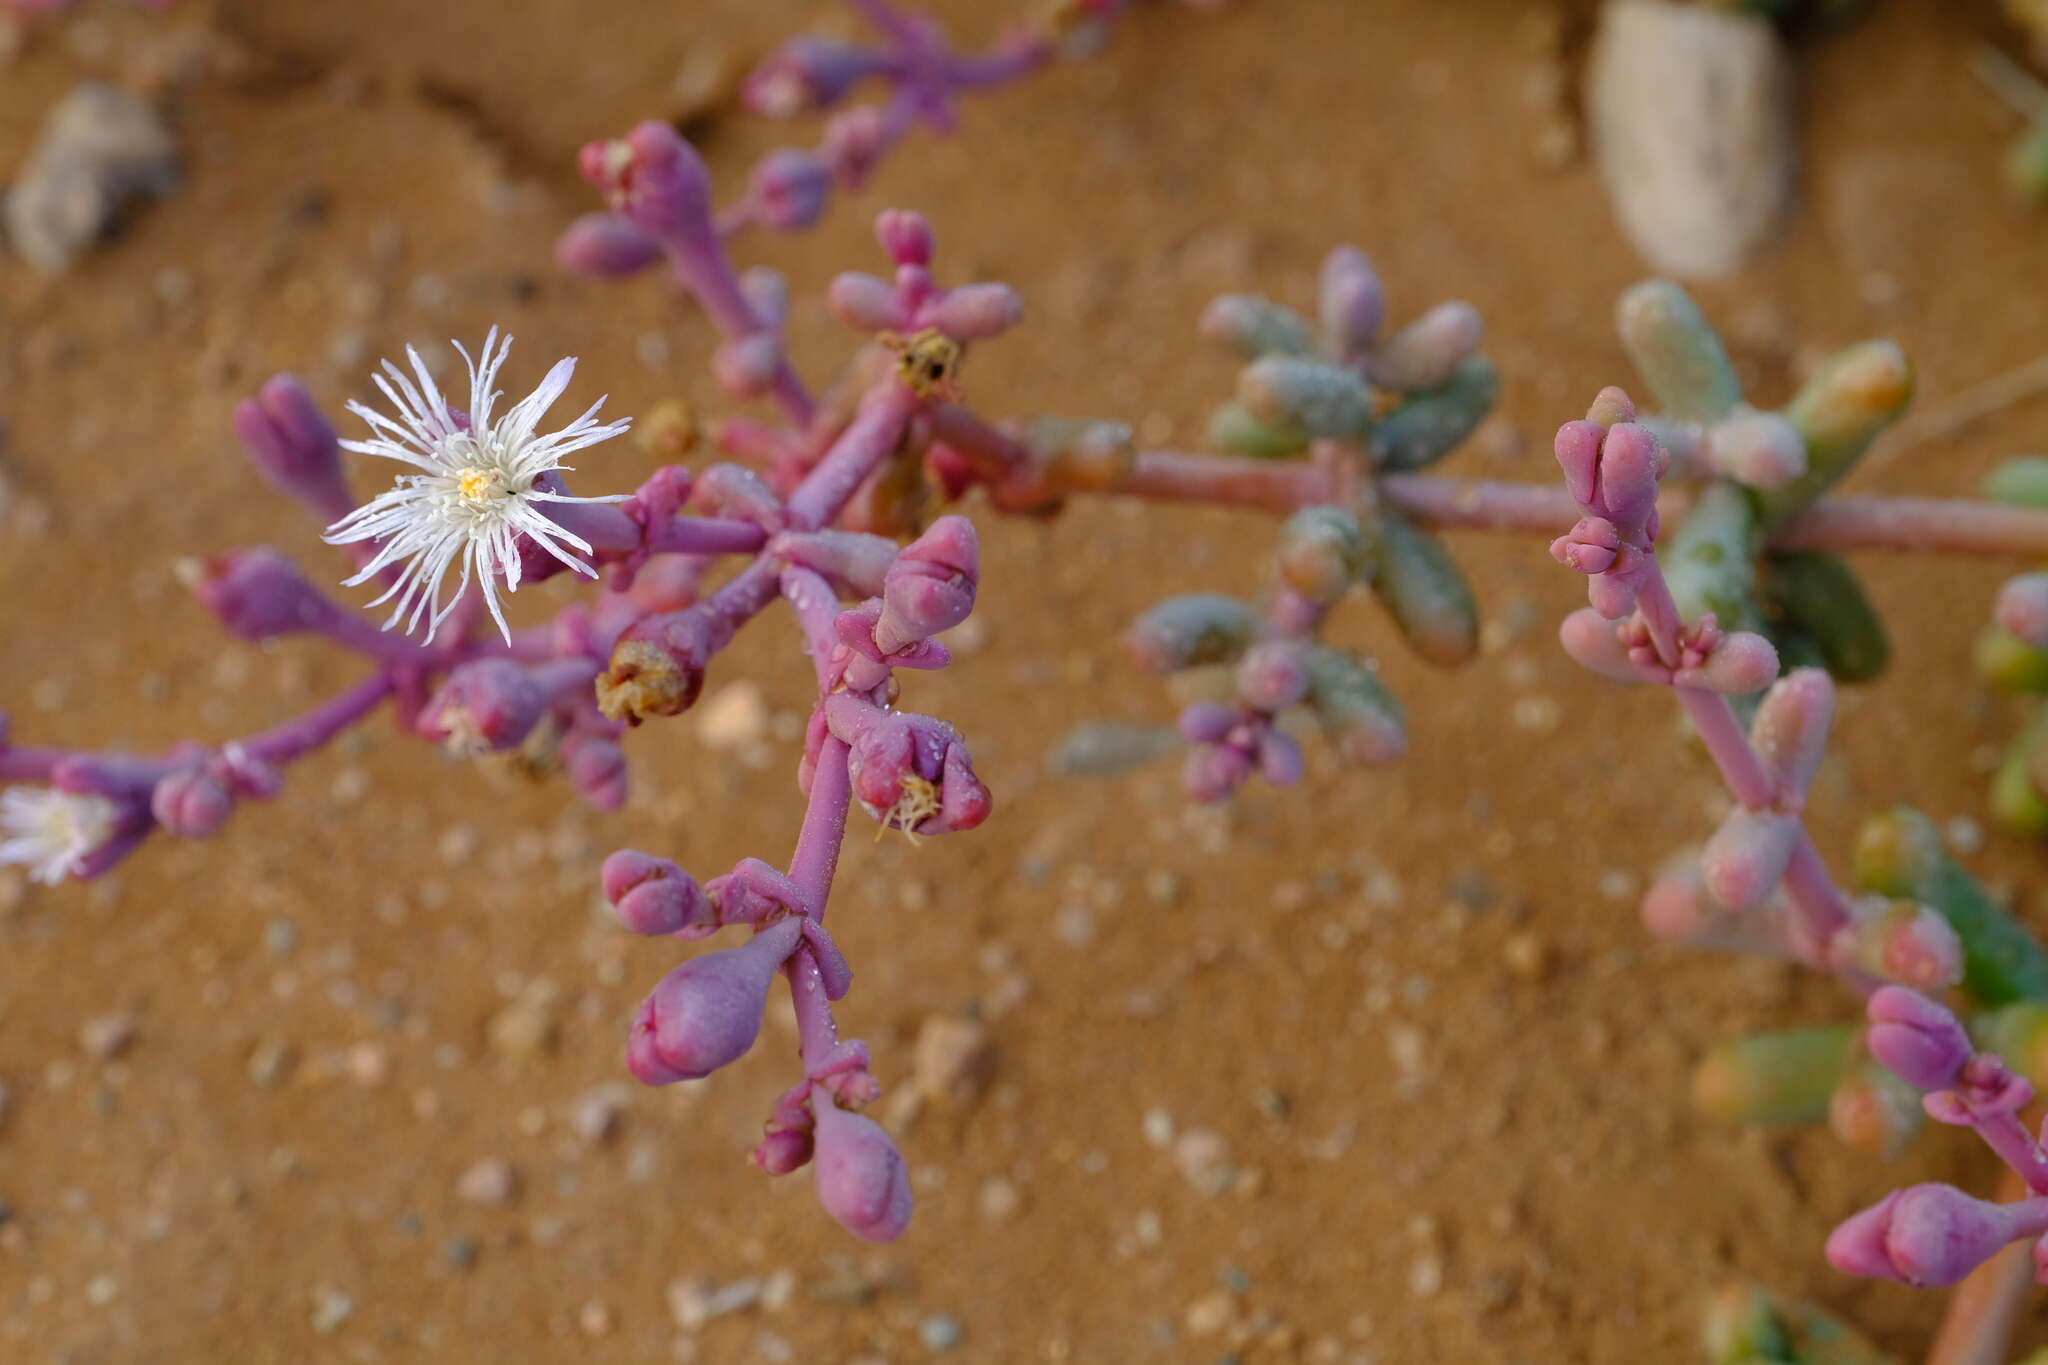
x,y
1747,856
597,769
804,75
1612,596
1208,722
1631,462
1351,300
1677,907
258,594
1214,771
1907,943
1609,406
905,235
1578,455
1280,758
865,303
657,666
909,771
1590,638
790,188
605,246
931,586
654,178
853,143
2023,608
974,312
1760,449
1425,353
1916,1039
861,1177
192,802
767,293
651,895
485,705
1589,548
707,1012
1790,731
293,446
746,366
1740,662
1928,1236
783,1150
1273,675
733,490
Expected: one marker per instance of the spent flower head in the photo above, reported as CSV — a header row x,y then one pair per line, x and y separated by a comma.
x,y
482,479
49,831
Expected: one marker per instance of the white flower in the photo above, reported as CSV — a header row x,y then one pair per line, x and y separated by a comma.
x,y
475,494
48,831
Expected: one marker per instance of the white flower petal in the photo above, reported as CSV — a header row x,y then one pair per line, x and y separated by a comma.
x,y
48,831
474,494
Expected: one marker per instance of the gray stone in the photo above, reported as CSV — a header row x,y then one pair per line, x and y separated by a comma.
x,y
101,150
1692,122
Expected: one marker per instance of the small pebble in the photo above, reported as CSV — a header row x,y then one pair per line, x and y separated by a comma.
x,y
1000,1200
953,1059
526,1028
107,1036
940,1333
1158,1127
271,1062
1527,956
1203,1156
596,1114
1210,1314
459,1252
733,717
491,1182
280,936
331,1308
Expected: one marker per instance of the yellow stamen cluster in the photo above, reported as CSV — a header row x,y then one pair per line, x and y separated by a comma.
x,y
928,362
917,802
477,484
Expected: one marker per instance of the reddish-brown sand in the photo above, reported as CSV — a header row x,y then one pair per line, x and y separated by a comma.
x,y
1441,1155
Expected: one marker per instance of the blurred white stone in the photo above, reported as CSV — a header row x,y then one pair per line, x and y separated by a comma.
x,y
101,148
1692,123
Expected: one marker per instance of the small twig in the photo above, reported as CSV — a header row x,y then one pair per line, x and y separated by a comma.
x,y
2011,82
1967,408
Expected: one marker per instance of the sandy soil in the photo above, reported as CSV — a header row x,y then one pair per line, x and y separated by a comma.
x,y
1436,1156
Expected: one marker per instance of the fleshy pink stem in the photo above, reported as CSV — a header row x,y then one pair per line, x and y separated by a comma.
x,y
859,451
704,536
298,737
811,868
1943,525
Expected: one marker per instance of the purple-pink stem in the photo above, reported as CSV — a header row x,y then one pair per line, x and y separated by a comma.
x,y
811,868
1820,905
815,605
874,435
704,536
1943,525
296,738
702,267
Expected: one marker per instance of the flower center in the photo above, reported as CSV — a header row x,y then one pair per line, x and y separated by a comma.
x,y
478,485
